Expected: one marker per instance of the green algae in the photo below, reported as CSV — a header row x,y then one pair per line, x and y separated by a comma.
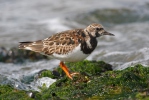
x,y
84,67
102,84
46,73
8,93
96,81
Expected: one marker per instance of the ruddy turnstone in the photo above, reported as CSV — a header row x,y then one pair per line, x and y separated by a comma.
x,y
68,46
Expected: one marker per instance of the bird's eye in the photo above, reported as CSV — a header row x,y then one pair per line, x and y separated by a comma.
x,y
97,29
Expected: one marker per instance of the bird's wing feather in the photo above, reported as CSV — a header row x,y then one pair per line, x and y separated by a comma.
x,y
60,43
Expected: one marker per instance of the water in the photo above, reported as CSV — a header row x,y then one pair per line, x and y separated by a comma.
x,y
23,20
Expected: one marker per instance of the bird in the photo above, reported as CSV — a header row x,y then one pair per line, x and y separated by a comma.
x,y
68,46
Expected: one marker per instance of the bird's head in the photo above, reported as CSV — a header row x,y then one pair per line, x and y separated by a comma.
x,y
96,30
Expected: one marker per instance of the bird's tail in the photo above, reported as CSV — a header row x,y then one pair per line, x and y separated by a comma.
x,y
36,46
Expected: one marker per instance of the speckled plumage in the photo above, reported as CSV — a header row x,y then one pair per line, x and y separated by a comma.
x,y
64,43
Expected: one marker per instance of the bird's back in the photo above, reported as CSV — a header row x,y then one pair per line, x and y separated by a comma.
x,y
60,43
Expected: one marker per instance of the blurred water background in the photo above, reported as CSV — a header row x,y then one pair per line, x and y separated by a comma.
x,y
23,20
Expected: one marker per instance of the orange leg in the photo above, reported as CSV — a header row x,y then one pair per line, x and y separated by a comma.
x,y
65,69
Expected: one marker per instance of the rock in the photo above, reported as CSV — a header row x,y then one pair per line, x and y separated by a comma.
x,y
14,55
45,81
95,81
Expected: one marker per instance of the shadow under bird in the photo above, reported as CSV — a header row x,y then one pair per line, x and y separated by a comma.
x,y
68,46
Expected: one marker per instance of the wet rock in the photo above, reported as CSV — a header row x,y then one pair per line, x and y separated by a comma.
x,y
47,73
131,83
112,16
95,80
14,55
8,93
45,81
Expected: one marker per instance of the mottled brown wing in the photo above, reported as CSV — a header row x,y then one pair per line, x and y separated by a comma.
x,y
63,42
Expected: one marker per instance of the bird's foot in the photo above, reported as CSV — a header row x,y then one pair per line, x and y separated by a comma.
x,y
75,73
66,70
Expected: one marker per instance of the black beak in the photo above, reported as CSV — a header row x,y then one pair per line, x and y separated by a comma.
x,y
107,33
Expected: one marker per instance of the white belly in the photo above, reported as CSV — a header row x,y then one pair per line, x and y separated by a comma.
x,y
73,56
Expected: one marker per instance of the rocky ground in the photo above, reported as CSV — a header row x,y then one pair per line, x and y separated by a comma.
x,y
96,81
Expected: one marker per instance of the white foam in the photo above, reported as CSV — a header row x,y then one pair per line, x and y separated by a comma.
x,y
121,60
55,24
18,70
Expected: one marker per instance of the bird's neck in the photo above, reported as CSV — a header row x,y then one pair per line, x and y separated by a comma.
x,y
89,43
86,33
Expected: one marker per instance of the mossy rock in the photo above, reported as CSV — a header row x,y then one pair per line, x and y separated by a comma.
x,y
96,81
8,93
46,73
88,68
130,83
